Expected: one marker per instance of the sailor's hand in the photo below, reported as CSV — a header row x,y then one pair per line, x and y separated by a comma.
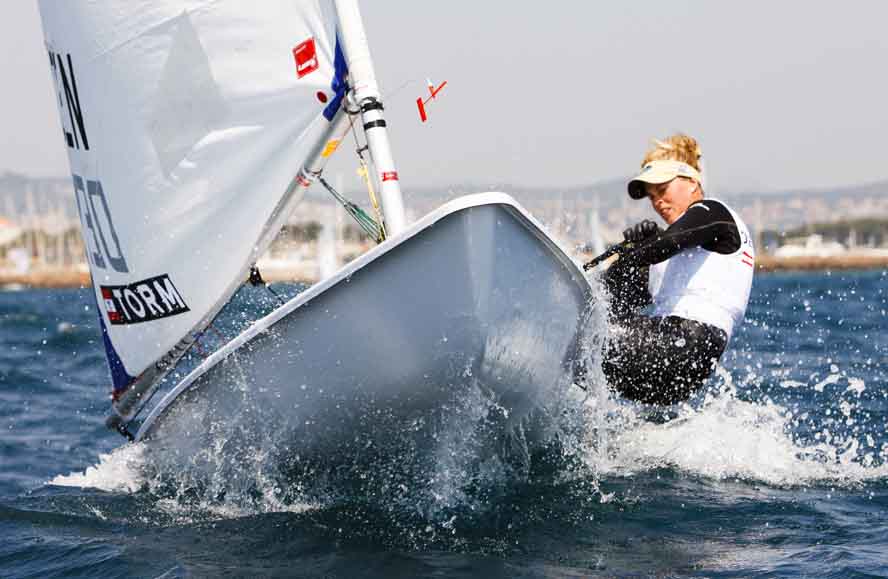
x,y
641,231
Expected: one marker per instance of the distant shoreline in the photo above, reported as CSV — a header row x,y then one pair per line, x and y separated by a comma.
x,y
810,263
53,278
764,264
57,279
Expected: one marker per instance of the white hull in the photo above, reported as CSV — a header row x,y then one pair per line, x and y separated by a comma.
x,y
473,295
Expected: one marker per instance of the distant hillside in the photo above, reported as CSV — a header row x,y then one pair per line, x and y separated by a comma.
x,y
609,190
612,191
861,190
779,211
46,194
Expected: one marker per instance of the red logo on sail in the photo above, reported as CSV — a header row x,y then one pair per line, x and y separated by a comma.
x,y
748,259
390,176
143,301
110,307
306,57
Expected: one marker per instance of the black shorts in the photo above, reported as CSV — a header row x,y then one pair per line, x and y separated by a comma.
x,y
661,360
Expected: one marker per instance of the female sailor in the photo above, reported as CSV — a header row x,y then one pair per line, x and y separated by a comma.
x,y
676,294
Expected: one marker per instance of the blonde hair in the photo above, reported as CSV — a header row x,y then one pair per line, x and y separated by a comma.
x,y
676,147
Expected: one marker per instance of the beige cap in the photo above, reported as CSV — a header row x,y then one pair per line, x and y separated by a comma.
x,y
661,171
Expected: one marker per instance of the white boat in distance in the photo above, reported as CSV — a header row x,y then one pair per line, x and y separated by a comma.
x,y
184,121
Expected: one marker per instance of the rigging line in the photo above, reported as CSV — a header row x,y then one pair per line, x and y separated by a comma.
x,y
280,299
351,126
198,348
218,333
403,85
370,227
364,171
122,427
256,279
376,208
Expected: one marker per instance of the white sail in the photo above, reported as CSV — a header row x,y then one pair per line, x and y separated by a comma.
x,y
185,122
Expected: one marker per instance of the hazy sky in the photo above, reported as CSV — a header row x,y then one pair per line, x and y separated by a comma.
x,y
780,94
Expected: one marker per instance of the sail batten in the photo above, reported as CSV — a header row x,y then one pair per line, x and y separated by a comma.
x,y
186,124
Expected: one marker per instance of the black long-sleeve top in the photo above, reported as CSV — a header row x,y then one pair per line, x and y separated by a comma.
x,y
707,224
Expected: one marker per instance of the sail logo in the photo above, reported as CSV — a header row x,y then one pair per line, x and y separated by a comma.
x,y
143,301
306,56
69,101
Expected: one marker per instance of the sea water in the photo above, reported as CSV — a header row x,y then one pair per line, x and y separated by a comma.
x,y
779,468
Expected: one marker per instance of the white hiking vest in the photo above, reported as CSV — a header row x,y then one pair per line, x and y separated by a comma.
x,y
705,286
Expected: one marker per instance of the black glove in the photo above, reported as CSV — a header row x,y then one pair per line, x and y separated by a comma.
x,y
641,231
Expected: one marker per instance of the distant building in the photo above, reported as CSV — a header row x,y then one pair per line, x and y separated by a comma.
x,y
810,246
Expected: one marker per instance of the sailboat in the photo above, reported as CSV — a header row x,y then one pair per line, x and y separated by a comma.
x,y
193,130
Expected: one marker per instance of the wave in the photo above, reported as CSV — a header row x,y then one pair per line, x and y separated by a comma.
x,y
726,438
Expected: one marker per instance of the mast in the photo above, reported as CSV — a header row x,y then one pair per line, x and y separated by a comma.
x,y
367,96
